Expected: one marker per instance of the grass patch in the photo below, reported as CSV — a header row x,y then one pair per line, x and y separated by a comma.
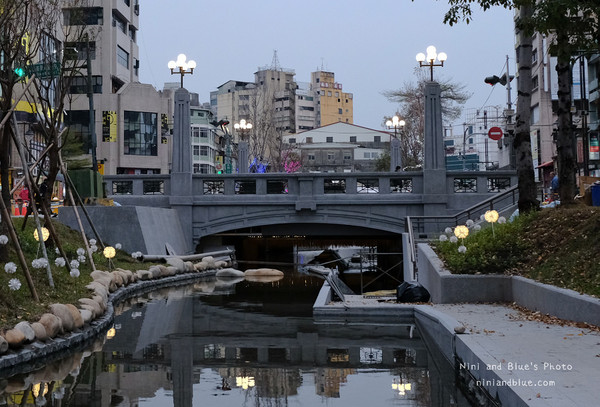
x,y
18,305
558,246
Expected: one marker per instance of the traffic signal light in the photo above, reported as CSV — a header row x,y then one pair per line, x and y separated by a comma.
x,y
20,71
503,80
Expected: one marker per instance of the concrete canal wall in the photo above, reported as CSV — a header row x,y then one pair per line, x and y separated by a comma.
x,y
448,288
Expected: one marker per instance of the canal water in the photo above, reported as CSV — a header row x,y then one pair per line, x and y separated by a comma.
x,y
226,342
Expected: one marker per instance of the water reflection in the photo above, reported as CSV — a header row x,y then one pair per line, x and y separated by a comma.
x,y
238,343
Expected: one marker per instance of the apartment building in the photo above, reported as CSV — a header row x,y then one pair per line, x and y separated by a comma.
x,y
131,126
333,105
339,147
278,106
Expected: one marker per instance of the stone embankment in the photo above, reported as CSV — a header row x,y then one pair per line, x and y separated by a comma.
x,y
66,325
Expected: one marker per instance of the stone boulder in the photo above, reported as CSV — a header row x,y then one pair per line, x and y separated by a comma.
x,y
209,261
61,311
263,279
14,338
155,271
176,262
52,324
92,306
169,271
86,315
144,275
77,318
3,345
98,289
27,330
230,272
200,266
263,272
40,331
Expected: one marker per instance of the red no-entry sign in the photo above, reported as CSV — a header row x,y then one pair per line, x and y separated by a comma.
x,y
495,133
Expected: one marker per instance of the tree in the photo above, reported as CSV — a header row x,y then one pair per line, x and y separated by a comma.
x,y
412,110
572,27
32,36
17,18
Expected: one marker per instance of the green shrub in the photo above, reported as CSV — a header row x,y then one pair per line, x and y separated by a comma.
x,y
488,251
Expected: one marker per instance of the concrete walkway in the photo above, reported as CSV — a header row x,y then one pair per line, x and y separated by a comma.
x,y
527,359
546,364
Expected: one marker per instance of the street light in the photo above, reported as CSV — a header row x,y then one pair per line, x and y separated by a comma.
x,y
395,123
181,66
243,127
431,56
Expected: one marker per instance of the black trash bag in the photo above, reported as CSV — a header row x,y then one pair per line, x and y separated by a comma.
x,y
408,292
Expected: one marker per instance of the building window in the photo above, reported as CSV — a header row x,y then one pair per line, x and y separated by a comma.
x,y
203,151
330,156
79,50
340,111
140,133
120,23
328,93
132,33
329,139
122,57
79,85
311,157
83,16
353,139
535,82
204,133
79,122
377,139
292,140
196,151
309,140
347,156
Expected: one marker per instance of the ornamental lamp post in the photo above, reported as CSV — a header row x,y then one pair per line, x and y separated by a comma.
x,y
243,127
395,155
395,123
182,67
430,58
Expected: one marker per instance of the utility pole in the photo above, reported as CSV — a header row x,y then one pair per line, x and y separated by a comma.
x,y
92,123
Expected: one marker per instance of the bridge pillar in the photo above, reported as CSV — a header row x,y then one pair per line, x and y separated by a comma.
x,y
181,198
434,168
435,152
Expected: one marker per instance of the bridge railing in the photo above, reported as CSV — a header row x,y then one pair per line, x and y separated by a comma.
x,y
460,184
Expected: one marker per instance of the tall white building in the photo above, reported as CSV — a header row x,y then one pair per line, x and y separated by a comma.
x,y
131,118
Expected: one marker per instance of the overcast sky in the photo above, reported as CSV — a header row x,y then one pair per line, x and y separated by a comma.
x,y
369,45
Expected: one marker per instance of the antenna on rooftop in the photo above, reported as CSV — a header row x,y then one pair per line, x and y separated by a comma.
x,y
275,62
